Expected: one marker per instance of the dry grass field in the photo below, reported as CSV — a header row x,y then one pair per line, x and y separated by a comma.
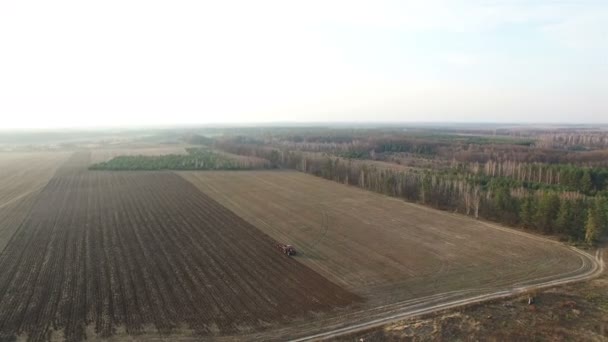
x,y
102,253
22,176
382,248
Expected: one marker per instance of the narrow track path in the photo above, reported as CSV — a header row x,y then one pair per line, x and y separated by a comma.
x,y
592,267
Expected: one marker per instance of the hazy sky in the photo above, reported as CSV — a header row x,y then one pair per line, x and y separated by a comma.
x,y
84,63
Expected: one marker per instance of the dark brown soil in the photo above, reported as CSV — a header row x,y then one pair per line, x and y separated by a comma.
x,y
135,251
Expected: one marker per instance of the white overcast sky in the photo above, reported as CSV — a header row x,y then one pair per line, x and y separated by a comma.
x,y
108,63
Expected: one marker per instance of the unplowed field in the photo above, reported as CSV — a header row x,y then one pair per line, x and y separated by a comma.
x,y
22,176
136,252
385,249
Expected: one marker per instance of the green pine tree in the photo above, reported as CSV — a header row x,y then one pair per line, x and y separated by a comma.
x,y
586,182
591,226
565,218
546,213
526,212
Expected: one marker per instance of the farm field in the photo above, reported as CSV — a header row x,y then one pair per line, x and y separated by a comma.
x,y
573,312
127,253
385,249
189,254
22,176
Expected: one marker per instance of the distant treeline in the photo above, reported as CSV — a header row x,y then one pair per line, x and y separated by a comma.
x,y
537,201
567,177
458,148
196,159
565,138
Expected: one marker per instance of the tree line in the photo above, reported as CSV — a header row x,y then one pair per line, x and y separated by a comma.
x,y
462,148
195,159
572,215
588,180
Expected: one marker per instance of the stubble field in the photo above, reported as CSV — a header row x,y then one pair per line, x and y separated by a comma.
x,y
385,249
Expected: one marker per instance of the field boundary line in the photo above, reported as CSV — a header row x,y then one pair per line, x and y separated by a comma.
x,y
597,269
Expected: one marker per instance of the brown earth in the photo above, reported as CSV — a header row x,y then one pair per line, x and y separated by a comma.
x,y
105,253
402,257
22,176
385,249
146,255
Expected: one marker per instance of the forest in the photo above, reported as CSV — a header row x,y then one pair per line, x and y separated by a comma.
x,y
553,183
195,159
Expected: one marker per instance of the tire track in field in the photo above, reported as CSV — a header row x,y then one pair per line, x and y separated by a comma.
x,y
429,305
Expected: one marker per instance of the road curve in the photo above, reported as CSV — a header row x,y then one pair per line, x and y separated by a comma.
x,y
594,264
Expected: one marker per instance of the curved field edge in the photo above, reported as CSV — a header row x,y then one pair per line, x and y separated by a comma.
x,y
264,206
432,304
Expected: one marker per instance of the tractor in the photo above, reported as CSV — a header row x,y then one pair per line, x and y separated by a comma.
x,y
288,250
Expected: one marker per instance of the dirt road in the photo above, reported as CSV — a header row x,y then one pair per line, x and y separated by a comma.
x,y
438,303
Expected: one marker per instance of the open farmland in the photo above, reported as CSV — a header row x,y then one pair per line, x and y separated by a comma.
x,y
22,176
189,254
384,249
105,253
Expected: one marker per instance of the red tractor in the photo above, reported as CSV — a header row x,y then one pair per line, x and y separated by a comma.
x,y
286,249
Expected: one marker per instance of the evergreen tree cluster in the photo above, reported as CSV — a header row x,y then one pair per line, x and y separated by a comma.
x,y
196,159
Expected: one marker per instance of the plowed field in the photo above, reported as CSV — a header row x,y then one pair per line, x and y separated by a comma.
x,y
22,176
135,252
